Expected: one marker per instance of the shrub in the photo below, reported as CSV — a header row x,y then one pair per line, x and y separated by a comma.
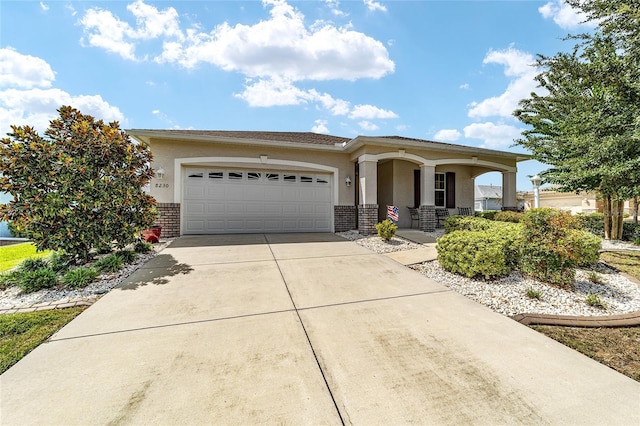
x,y
111,263
588,246
59,262
631,231
593,299
551,252
466,223
593,223
7,279
386,229
477,253
32,264
142,247
127,256
488,214
31,281
508,216
79,277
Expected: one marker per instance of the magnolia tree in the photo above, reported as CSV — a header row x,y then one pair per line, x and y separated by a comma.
x,y
78,188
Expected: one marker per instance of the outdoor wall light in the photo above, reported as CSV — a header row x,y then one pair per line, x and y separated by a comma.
x,y
536,181
160,173
347,180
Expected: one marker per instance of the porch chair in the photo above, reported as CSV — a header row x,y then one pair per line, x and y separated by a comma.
x,y
465,211
441,216
415,217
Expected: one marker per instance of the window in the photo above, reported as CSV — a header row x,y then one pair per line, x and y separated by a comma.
x,y
216,175
289,178
440,189
273,176
254,175
235,175
322,181
196,175
306,179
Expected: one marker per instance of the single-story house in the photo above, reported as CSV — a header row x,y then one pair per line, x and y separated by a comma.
x,y
582,202
489,197
252,182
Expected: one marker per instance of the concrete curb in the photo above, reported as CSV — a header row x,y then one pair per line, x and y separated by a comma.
x,y
622,320
47,307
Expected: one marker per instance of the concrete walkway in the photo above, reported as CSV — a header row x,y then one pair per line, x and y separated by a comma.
x,y
302,329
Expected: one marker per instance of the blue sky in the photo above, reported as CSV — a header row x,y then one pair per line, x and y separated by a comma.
x,y
450,71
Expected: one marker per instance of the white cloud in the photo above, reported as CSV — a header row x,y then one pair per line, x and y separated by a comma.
x,y
105,30
374,6
464,86
496,136
447,135
369,112
24,71
71,9
564,15
519,66
320,127
367,125
334,6
44,7
27,98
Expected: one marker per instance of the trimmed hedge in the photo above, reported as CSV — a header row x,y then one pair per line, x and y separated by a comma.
x,y
476,253
487,214
508,216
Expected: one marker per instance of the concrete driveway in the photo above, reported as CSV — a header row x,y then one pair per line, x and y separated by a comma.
x,y
302,329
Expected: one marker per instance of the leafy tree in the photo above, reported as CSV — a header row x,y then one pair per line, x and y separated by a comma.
x,y
78,187
587,124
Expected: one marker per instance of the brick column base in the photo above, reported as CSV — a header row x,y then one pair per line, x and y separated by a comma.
x,y
169,219
367,218
344,218
428,219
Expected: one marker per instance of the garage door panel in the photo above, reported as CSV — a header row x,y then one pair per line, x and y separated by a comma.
x,y
235,201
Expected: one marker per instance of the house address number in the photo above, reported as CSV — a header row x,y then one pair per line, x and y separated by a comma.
x,y
162,185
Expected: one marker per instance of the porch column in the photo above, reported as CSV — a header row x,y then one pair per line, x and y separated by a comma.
x,y
368,208
509,199
427,212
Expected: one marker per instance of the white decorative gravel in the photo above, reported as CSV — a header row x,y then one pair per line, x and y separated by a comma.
x,y
508,295
13,297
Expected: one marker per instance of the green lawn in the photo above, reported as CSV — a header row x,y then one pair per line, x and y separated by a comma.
x,y
626,261
11,256
21,333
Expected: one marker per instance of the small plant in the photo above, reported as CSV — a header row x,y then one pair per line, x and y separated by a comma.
x,y
111,263
79,277
142,247
59,263
32,264
594,277
637,241
532,293
127,256
593,299
31,281
386,229
8,279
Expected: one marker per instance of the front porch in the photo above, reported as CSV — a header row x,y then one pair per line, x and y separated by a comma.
x,y
412,181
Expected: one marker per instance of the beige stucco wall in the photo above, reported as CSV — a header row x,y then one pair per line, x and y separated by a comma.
x,y
464,185
575,203
165,152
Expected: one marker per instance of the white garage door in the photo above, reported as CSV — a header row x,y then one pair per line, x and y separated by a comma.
x,y
245,201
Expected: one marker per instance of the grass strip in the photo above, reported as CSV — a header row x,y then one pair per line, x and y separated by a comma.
x,y
11,256
22,332
625,261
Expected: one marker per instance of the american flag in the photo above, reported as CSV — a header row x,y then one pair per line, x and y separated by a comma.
x,y
392,213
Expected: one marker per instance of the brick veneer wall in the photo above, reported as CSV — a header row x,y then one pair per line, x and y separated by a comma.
x,y
367,218
169,219
428,220
344,218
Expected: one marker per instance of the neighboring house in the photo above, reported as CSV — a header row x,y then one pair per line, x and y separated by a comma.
x,y
583,202
487,197
246,181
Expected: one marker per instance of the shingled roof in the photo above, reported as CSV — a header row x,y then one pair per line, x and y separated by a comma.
x,y
294,137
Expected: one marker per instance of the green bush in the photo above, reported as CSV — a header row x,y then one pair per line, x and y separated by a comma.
x,y
59,262
111,263
127,256
552,251
31,281
386,229
466,223
487,214
593,223
79,277
142,247
7,279
588,246
478,253
630,231
32,264
508,216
